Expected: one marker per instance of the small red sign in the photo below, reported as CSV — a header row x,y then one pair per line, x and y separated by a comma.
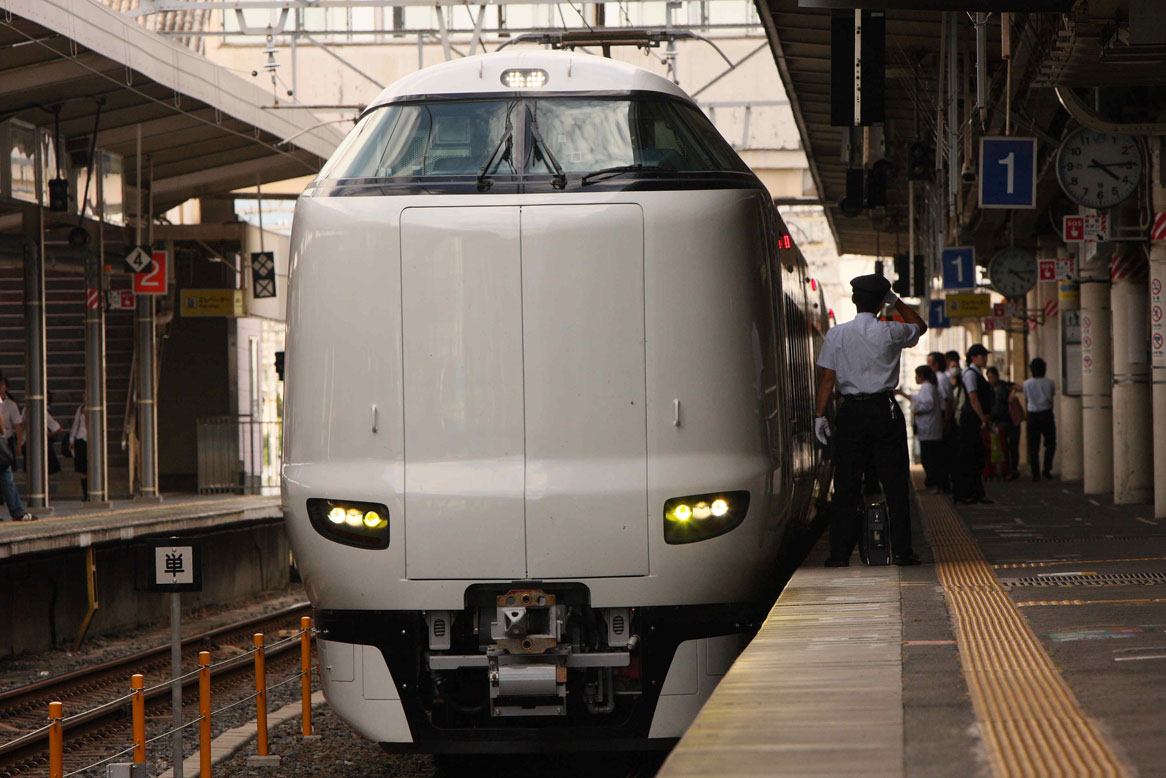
x,y
153,279
92,298
998,309
1048,269
1073,229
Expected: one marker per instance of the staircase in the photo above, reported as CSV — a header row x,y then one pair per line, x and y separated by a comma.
x,y
65,351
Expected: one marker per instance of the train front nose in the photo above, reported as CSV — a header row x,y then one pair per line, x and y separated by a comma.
x,y
524,388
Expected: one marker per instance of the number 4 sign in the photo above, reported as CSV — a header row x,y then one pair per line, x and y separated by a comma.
x,y
153,279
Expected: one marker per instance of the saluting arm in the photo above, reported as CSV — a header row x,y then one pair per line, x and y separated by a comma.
x,y
910,315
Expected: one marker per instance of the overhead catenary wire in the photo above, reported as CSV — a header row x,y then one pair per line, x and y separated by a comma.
x,y
165,103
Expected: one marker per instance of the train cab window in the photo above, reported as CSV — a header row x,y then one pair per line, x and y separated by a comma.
x,y
594,134
453,138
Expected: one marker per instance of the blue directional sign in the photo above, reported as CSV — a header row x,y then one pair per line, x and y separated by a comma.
x,y
959,268
1008,172
937,315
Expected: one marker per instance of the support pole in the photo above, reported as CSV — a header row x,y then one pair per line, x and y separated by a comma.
x,y
1096,379
36,452
95,373
263,758
56,741
306,674
1132,445
147,412
204,714
138,706
1069,440
1158,281
176,683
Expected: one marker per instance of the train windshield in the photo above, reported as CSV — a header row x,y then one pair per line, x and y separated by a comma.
x,y
440,139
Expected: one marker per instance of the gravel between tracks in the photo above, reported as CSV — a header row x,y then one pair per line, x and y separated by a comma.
x,y
339,753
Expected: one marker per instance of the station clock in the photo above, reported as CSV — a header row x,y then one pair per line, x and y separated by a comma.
x,y
1013,272
1099,169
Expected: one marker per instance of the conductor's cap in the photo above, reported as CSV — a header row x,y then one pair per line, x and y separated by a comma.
x,y
871,284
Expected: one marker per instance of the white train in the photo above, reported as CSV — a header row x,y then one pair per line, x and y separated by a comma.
x,y
549,409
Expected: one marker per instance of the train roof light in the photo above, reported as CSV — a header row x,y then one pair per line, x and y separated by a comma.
x,y
524,78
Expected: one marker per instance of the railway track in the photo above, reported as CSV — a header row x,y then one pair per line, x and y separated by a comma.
x,y
97,715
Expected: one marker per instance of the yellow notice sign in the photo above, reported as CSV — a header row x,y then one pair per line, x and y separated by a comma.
x,y
212,302
959,305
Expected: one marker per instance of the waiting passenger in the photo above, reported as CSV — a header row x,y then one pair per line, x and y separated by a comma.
x,y
7,485
927,412
1006,416
1038,394
11,413
861,358
946,452
975,407
79,446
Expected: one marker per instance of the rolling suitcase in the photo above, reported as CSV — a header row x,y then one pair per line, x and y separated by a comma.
x,y
874,538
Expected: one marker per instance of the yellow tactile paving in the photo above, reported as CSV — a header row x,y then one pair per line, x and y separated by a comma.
x,y
1032,723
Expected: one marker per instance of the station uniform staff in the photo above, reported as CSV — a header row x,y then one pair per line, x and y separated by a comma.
x,y
968,477
861,359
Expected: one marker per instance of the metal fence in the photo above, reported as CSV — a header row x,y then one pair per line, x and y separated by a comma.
x,y
239,455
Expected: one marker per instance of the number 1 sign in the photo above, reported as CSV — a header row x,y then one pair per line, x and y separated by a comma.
x,y
959,268
1007,172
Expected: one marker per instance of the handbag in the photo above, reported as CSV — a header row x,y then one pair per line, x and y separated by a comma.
x,y
7,458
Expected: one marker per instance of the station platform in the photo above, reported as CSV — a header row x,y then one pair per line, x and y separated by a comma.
x,y
1030,643
74,524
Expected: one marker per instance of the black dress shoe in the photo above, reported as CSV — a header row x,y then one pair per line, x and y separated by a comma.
x,y
986,501
837,563
906,560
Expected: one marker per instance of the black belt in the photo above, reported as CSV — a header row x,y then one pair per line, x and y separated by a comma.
x,y
876,396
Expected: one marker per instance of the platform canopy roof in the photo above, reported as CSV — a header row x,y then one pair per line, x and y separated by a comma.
x,y
205,129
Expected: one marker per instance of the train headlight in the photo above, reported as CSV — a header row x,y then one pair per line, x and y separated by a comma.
x,y
358,524
702,516
524,78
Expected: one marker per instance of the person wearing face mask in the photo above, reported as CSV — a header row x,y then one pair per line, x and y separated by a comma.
x,y
861,359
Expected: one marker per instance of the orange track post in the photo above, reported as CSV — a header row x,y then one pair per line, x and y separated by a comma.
x,y
138,683
260,696
56,741
204,714
306,669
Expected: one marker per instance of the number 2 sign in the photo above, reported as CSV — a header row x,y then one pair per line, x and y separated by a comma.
x,y
153,279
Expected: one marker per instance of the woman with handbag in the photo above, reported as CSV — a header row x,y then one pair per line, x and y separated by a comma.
x,y
7,484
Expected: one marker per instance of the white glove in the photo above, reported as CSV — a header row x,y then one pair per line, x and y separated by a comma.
x,y
891,298
822,430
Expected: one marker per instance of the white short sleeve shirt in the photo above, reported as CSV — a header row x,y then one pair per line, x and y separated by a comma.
x,y
864,353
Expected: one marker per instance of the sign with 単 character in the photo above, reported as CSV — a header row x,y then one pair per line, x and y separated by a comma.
x,y
1007,172
177,565
966,305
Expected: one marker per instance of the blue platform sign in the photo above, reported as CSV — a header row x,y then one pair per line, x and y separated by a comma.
x,y
1008,172
959,268
937,315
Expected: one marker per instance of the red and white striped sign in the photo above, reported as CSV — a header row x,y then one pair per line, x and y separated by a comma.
x,y
92,298
1051,308
1158,231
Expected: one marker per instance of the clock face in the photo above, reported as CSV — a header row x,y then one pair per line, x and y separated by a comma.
x,y
1013,272
1099,170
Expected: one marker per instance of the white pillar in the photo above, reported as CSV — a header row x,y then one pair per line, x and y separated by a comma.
x,y
1068,407
1158,351
1096,378
1049,345
1132,444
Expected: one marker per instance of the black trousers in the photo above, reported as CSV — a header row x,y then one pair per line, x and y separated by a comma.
x,y
869,431
1041,423
968,474
933,462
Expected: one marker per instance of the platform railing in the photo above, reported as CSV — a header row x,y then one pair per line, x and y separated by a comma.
x,y
137,699
239,455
